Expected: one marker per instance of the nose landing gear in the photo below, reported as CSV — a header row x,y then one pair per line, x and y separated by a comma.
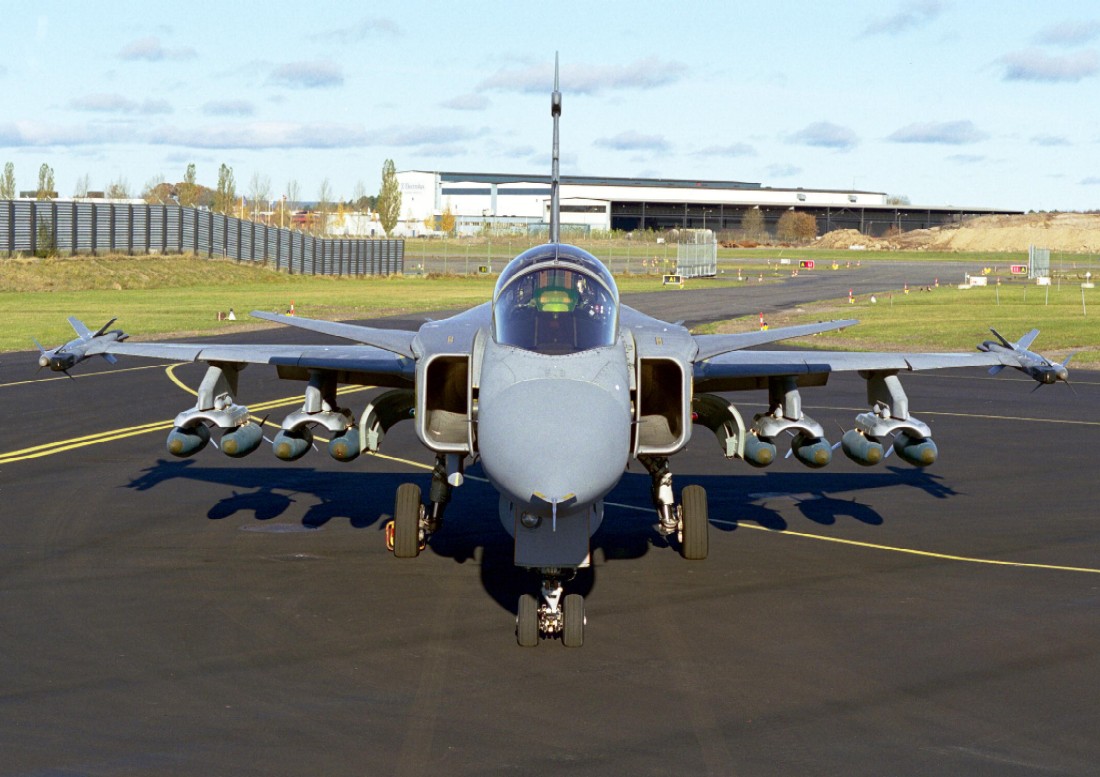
x,y
556,615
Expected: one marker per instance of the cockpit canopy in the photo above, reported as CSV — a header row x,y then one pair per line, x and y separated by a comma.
x,y
555,299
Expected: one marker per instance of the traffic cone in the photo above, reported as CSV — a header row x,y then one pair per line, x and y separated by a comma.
x,y
291,311
851,299
762,324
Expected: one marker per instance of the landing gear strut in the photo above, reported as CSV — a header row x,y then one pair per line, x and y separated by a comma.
x,y
555,615
687,520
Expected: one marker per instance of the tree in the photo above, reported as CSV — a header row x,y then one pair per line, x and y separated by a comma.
x,y
324,205
226,194
447,221
259,191
389,198
898,199
119,189
155,190
7,183
83,184
45,183
752,223
188,190
796,227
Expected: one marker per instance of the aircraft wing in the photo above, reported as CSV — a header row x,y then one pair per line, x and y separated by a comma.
x,y
374,365
714,345
729,371
396,340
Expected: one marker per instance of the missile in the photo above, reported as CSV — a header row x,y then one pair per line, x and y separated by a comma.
x,y
345,446
861,449
758,452
814,452
919,451
242,441
293,444
189,441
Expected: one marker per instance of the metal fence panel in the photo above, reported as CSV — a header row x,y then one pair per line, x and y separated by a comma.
x,y
27,226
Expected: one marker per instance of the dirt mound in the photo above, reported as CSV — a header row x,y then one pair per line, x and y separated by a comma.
x,y
848,238
1061,232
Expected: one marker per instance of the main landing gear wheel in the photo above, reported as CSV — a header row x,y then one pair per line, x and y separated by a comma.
x,y
694,543
527,621
572,634
406,521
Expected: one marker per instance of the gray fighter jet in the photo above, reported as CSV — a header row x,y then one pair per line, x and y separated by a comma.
x,y
556,386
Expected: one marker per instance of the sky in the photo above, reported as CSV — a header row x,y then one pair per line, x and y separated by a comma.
x,y
945,102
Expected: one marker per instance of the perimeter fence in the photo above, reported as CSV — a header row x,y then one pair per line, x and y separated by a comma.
x,y
42,228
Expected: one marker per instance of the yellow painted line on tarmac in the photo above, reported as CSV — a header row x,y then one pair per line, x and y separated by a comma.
x,y
82,376
62,446
889,548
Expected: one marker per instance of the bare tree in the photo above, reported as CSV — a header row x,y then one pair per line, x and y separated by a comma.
x,y
324,205
155,190
259,191
752,223
83,184
119,189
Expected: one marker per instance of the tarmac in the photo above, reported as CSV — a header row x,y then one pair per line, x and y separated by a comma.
x,y
218,616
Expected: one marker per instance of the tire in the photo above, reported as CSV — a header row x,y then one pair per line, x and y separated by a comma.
x,y
406,521
572,634
527,621
694,542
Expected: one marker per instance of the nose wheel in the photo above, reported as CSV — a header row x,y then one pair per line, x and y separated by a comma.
x,y
554,615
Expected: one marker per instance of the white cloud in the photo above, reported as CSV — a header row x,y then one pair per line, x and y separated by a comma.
x,y
648,73
952,133
824,134
1069,33
308,75
909,16
150,50
1032,65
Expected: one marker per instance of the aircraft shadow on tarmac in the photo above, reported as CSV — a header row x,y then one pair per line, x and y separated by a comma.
x,y
472,530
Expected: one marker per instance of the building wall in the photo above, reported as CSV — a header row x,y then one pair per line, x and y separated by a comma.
x,y
658,205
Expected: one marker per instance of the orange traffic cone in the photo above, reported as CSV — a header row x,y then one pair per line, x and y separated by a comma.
x,y
291,311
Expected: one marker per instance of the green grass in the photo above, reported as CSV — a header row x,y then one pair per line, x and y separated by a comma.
x,y
158,296
181,295
949,318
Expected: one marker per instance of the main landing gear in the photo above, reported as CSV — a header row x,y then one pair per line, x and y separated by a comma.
x,y
554,615
413,522
687,520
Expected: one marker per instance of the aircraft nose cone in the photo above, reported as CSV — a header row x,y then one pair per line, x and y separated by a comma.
x,y
554,439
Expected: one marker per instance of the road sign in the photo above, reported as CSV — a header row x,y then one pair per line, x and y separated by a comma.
x,y
806,264
1019,269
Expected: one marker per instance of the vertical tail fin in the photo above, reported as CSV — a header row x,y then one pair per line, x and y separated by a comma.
x,y
555,112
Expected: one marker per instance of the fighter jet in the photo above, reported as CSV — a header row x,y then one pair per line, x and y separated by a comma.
x,y
556,386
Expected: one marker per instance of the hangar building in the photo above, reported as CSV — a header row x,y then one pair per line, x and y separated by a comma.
x,y
521,203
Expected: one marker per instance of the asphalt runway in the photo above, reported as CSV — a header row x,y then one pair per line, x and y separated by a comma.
x,y
217,616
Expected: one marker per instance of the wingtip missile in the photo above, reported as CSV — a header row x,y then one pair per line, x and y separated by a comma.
x,y
64,357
